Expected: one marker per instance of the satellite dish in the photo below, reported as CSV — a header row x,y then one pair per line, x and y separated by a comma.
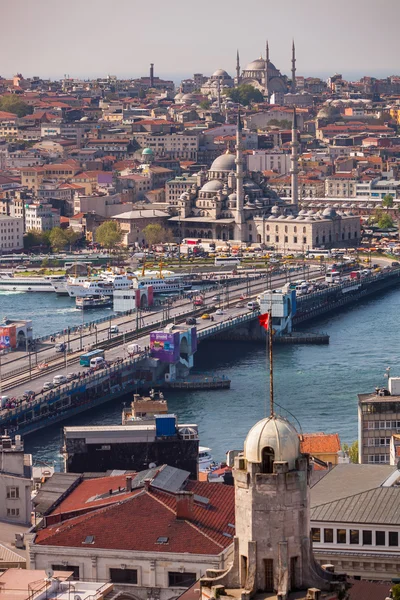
x,y
49,572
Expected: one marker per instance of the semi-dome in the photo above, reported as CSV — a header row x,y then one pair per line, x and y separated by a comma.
x,y
256,65
220,73
276,433
225,162
212,186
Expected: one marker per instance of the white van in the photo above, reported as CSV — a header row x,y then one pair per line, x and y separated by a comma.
x,y
133,349
59,379
253,305
97,362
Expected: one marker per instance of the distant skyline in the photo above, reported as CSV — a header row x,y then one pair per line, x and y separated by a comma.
x,y
88,39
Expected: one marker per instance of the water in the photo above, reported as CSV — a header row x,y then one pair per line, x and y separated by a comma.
x,y
318,384
59,311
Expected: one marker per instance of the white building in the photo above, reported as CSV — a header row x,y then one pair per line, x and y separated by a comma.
x,y
173,145
269,160
41,217
15,482
11,233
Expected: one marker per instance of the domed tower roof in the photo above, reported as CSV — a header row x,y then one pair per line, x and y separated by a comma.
x,y
275,433
147,152
225,162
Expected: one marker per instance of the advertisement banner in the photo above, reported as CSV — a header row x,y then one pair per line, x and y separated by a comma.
x,y
193,336
164,346
8,337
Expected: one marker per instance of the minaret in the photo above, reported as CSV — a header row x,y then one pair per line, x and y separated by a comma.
x,y
151,75
219,93
294,169
237,68
293,86
239,174
267,71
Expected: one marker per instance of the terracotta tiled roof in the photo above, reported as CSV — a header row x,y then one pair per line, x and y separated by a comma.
x,y
138,521
320,443
5,116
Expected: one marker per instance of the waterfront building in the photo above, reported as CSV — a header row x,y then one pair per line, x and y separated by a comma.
x,y
15,482
272,546
133,222
11,233
355,522
41,217
136,445
378,420
152,534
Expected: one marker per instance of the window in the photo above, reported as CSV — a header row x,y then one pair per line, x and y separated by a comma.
x,y
380,538
75,570
367,537
286,239
315,534
277,238
328,536
354,536
341,536
12,512
123,575
12,492
393,538
176,579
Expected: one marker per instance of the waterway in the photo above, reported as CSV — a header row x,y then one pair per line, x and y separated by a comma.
x,y
318,384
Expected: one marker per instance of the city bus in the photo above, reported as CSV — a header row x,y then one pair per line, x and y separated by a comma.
x,y
222,261
85,359
317,253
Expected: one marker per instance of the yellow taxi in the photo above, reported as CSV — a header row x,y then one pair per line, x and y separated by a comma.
x,y
205,316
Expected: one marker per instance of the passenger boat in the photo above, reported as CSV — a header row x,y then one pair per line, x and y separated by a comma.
x,y
83,303
206,460
10,283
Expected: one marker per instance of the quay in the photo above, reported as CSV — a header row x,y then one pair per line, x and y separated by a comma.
x,y
302,337
199,383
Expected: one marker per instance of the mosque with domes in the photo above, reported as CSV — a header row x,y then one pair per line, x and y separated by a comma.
x,y
229,204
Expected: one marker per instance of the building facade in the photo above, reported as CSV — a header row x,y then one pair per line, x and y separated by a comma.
x,y
11,233
15,482
41,217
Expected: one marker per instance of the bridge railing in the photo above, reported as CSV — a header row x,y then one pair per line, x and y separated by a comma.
x,y
227,324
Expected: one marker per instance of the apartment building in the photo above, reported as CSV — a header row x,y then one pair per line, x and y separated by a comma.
x,y
174,188
269,160
11,233
378,420
174,145
341,185
41,217
15,481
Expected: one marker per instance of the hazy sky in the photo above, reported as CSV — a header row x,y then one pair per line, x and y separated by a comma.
x,y
86,38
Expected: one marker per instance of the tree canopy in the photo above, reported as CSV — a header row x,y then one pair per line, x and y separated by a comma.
x,y
34,239
109,234
245,94
13,104
388,201
352,451
156,234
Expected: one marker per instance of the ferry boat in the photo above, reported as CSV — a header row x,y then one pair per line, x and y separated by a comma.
x,y
206,461
103,286
10,283
83,303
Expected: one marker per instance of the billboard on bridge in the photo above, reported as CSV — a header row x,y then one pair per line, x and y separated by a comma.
x,y
165,346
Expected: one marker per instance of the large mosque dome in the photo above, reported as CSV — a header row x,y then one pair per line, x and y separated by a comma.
x,y
256,65
220,73
212,186
225,162
276,433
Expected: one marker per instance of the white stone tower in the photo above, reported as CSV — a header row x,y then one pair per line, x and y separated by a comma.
x,y
272,549
239,181
294,159
293,86
267,93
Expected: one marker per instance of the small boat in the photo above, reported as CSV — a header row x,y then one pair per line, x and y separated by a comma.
x,y
205,460
85,302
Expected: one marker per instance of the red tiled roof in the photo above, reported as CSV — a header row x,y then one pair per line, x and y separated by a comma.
x,y
138,521
320,443
5,116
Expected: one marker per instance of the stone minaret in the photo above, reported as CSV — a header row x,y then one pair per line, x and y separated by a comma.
x,y
219,93
237,68
151,75
293,86
266,71
239,173
294,169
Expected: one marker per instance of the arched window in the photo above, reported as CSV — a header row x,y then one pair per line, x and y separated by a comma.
x,y
267,227
285,228
267,460
304,229
276,228
295,229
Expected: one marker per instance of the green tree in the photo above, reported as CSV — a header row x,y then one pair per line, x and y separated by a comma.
x,y
156,234
352,451
71,236
35,238
281,123
245,94
109,234
13,104
385,221
58,239
396,591
388,201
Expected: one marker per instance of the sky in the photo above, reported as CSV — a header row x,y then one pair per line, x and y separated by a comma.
x,y
92,38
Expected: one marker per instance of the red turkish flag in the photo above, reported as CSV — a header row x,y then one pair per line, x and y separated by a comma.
x,y
264,320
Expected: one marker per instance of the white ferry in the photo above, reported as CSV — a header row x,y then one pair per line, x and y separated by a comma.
x,y
98,287
85,302
60,286
10,283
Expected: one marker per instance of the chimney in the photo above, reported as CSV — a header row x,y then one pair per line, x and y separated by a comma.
x,y
147,483
151,74
184,505
128,483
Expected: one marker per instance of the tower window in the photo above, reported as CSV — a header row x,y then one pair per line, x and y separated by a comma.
x,y
267,459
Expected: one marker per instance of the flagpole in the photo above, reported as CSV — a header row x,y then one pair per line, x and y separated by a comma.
x,y
271,367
